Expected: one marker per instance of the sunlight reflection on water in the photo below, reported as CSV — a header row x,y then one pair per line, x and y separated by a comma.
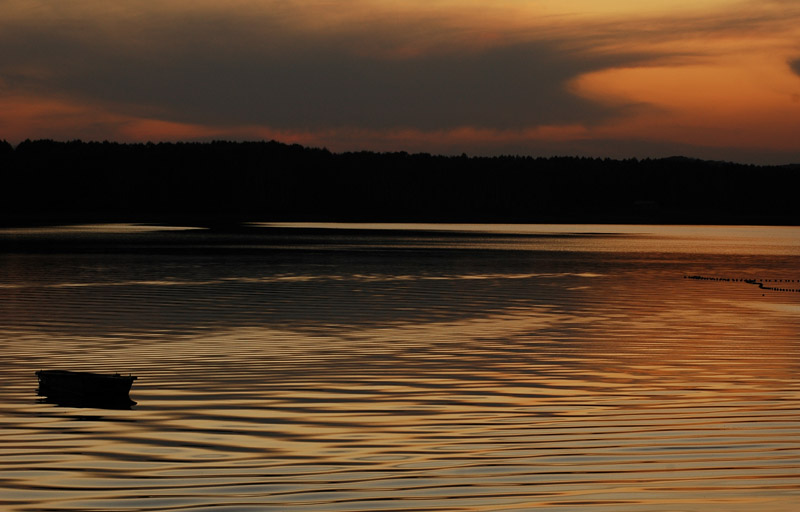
x,y
442,379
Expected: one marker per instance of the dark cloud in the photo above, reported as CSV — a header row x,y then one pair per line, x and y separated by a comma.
x,y
795,65
194,74
503,87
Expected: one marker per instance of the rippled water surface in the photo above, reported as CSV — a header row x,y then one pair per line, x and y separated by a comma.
x,y
418,368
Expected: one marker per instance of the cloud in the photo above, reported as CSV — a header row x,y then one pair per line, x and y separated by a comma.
x,y
795,66
275,70
500,87
513,76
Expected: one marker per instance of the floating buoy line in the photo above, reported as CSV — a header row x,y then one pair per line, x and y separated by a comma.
x,y
765,284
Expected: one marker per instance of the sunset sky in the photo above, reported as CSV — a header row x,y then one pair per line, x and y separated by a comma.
x,y
713,79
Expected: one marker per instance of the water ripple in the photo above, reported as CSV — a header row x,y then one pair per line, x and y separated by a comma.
x,y
501,381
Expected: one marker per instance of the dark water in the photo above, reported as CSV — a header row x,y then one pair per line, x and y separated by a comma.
x,y
531,367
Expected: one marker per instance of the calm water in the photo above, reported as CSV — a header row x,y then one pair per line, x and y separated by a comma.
x,y
463,368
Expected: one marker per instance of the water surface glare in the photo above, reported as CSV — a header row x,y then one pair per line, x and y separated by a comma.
x,y
417,368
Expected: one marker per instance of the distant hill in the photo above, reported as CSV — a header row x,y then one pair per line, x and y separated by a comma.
x,y
48,181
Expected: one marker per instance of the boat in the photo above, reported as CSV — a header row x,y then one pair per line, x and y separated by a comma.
x,y
86,389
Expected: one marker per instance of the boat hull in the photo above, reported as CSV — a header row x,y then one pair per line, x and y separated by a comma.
x,y
85,389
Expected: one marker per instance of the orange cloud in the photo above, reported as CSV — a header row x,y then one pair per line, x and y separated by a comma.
x,y
747,100
36,117
155,129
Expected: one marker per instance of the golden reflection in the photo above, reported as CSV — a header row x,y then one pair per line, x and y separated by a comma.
x,y
638,388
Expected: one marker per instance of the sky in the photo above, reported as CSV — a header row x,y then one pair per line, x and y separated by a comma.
x,y
716,79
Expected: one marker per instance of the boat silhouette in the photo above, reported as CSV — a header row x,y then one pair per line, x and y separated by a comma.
x,y
85,389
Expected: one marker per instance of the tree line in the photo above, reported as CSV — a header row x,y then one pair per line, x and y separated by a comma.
x,y
50,181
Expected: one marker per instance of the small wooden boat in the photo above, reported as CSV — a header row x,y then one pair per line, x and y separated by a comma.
x,y
85,389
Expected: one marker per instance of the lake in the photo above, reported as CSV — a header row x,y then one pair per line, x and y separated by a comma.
x,y
360,367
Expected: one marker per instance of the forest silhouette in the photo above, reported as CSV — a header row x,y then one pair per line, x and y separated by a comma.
x,y
220,182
